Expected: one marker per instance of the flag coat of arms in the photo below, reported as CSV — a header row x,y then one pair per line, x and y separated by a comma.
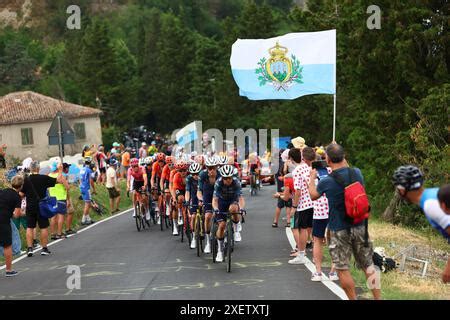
x,y
285,67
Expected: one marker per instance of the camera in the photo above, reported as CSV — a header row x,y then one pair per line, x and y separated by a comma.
x,y
321,167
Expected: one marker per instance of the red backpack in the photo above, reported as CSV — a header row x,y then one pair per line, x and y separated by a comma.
x,y
357,207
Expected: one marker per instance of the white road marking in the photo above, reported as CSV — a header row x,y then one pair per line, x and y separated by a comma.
x,y
59,240
329,284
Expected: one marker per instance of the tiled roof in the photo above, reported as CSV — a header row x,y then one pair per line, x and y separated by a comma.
x,y
27,106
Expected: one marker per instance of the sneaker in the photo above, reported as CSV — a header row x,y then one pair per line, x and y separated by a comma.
x,y
11,273
54,237
219,257
36,244
237,236
193,243
90,222
333,276
175,230
207,248
30,252
300,259
60,236
316,276
45,252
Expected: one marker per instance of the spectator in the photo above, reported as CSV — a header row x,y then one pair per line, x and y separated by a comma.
x,y
111,185
70,208
303,203
59,191
35,188
86,182
10,204
3,156
143,151
100,162
126,156
152,149
346,238
86,151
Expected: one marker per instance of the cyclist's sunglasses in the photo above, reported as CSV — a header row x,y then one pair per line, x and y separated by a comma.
x,y
182,170
227,178
212,168
134,166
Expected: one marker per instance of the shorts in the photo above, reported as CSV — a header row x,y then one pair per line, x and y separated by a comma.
x,y
124,169
5,235
207,201
224,206
281,203
137,185
166,185
20,221
34,218
304,218
102,170
319,227
86,195
194,205
113,193
344,243
62,204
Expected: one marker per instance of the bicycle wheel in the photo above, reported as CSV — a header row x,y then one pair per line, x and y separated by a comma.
x,y
188,229
137,211
197,232
162,214
229,243
143,219
213,241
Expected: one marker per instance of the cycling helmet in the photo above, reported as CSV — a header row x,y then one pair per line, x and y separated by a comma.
x,y
407,177
148,161
223,160
211,162
141,162
195,168
113,162
199,159
160,156
181,165
227,171
170,160
134,162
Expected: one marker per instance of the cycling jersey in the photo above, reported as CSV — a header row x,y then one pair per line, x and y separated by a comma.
x,y
203,182
165,172
192,186
179,182
433,212
137,176
157,170
171,175
228,193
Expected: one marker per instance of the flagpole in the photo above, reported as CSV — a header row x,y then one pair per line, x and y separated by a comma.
x,y
334,118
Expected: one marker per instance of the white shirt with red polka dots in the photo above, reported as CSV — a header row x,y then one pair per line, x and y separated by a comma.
x,y
321,205
301,180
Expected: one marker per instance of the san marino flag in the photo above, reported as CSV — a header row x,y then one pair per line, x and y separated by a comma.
x,y
285,67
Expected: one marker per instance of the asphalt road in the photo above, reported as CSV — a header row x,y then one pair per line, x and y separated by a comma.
x,y
117,262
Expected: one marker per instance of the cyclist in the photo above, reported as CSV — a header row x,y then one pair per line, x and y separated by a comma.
x,y
254,165
205,192
179,189
164,182
191,194
174,205
408,180
148,161
227,198
157,168
139,175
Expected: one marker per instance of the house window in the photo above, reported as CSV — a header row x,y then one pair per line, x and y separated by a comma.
x,y
27,136
80,131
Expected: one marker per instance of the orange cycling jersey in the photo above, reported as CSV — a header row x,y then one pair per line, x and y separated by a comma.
x,y
165,173
172,173
178,182
156,170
